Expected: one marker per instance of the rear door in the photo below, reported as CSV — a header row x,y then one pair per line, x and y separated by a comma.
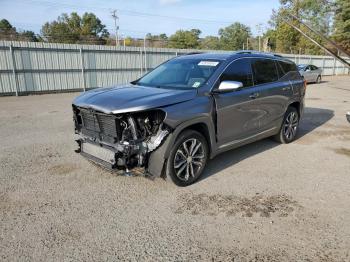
x,y
315,72
238,111
274,90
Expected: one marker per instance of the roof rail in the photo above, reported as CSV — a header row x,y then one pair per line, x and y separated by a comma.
x,y
194,53
256,52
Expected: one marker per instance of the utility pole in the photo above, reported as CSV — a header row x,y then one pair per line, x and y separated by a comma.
x,y
116,26
259,30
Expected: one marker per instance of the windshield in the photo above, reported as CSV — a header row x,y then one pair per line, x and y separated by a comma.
x,y
180,74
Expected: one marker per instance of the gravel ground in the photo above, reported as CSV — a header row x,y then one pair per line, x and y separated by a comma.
x,y
262,202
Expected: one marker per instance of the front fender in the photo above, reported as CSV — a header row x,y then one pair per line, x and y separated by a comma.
x,y
157,159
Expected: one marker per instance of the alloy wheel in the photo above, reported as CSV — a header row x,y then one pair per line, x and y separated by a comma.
x,y
189,159
290,125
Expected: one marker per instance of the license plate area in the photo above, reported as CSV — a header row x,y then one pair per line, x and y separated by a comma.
x,y
99,152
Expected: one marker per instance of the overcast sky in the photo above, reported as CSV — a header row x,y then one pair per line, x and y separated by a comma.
x,y
138,17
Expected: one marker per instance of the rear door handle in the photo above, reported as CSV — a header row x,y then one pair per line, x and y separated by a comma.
x,y
286,88
254,95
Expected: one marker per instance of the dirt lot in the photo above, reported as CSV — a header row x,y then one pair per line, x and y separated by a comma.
x,y
262,202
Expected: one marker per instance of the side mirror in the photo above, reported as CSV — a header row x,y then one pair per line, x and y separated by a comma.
x,y
228,86
348,116
307,69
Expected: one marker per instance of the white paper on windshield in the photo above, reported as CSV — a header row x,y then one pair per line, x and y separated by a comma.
x,y
208,63
196,84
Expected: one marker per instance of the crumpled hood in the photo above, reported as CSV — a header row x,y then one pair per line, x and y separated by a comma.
x,y
131,98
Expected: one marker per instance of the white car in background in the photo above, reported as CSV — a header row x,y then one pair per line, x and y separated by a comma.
x,y
310,73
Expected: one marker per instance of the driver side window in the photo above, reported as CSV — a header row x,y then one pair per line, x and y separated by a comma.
x,y
240,71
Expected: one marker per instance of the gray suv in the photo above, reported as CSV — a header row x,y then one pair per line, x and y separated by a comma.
x,y
190,109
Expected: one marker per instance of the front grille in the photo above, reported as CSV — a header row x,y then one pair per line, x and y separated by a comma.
x,y
99,122
107,124
90,121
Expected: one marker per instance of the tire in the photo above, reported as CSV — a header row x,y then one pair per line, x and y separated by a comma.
x,y
289,127
187,158
318,80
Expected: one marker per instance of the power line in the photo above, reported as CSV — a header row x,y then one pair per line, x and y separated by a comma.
x,y
130,12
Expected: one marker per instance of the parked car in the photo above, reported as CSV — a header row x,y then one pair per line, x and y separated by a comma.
x,y
188,110
310,73
348,116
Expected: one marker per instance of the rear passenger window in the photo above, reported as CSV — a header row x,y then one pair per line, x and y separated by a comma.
x,y
287,66
287,70
264,70
239,70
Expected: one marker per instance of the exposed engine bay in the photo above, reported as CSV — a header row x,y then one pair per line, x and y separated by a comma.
x,y
122,141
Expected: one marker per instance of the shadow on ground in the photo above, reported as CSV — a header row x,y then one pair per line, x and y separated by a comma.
x,y
312,119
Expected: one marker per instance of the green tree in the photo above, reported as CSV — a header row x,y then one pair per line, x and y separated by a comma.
x,y
210,43
270,38
128,41
75,29
160,40
7,31
342,23
185,39
234,36
29,36
315,12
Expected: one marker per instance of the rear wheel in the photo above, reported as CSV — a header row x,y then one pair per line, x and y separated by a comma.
x,y
318,80
188,158
289,126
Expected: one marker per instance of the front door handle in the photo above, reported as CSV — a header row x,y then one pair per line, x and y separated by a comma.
x,y
254,95
286,88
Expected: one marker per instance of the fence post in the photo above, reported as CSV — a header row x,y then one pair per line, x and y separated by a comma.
x,y
14,69
82,68
323,65
334,62
141,61
146,67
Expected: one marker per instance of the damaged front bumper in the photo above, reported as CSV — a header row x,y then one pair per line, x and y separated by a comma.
x,y
119,142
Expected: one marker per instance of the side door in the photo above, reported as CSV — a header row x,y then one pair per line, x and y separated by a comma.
x,y
275,90
308,74
238,111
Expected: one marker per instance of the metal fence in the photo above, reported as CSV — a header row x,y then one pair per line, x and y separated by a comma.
x,y
27,67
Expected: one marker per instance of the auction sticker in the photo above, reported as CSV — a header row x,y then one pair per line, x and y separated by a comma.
x,y
208,63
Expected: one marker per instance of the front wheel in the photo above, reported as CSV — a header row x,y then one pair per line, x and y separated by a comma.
x,y
289,126
187,158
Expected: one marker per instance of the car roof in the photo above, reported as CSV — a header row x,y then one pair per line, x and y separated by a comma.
x,y
231,55
214,56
